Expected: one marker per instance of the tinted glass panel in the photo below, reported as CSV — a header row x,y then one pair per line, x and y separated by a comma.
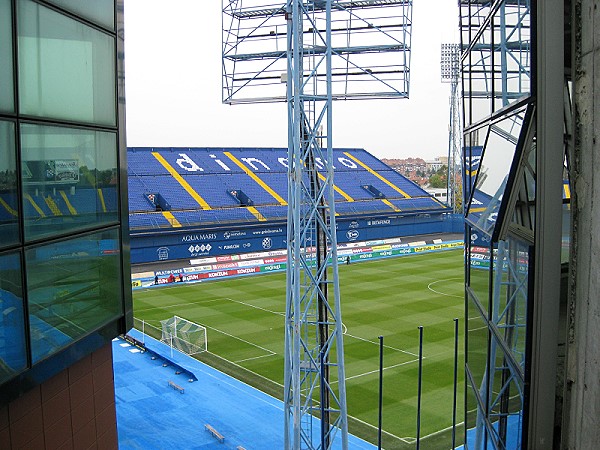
x,y
477,346
73,288
492,176
479,273
9,205
6,68
13,357
479,73
100,11
506,404
69,179
512,58
510,314
66,69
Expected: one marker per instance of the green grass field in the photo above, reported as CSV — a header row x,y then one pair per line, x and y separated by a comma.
x,y
244,318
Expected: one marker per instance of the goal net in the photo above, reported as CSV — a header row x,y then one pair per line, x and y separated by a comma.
x,y
187,337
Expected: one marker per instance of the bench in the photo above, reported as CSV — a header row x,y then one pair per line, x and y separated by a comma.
x,y
176,387
215,433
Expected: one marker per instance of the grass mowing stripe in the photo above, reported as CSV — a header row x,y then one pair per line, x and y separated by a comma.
x,y
389,297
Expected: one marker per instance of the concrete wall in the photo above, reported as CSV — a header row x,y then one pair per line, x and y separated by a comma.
x,y
73,410
583,372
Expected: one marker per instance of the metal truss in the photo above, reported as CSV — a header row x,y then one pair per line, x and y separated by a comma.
x,y
370,48
314,378
309,53
498,43
503,382
451,73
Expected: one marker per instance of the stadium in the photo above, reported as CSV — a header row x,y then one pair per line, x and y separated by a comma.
x,y
470,324
218,217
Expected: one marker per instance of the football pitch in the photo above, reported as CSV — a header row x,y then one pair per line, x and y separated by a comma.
x,y
392,297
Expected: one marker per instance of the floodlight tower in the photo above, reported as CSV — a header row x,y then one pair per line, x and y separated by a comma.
x,y
450,74
307,54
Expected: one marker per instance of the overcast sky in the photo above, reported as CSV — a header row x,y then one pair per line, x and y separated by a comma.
x,y
173,87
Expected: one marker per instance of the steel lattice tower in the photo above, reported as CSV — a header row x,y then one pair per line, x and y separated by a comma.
x,y
307,54
450,73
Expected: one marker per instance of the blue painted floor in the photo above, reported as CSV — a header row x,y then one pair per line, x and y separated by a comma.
x,y
152,415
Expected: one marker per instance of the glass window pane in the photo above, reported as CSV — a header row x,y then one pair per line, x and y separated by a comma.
x,y
493,172
505,403
9,205
66,69
13,357
473,409
479,271
510,314
73,288
100,11
6,68
477,346
69,179
512,58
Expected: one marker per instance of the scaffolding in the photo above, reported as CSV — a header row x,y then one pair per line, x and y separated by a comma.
x,y
307,54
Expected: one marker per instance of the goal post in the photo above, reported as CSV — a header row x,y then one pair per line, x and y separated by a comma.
x,y
184,335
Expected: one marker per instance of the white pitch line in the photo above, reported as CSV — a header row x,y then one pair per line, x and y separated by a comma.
x,y
383,431
256,357
150,308
254,306
385,346
243,340
376,371
413,440
443,293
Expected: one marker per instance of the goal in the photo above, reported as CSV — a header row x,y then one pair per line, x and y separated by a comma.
x,y
184,335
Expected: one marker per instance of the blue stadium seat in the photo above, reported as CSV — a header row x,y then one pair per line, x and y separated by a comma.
x,y
209,173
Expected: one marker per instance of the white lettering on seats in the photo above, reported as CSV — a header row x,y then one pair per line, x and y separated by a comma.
x,y
186,163
251,161
347,162
220,163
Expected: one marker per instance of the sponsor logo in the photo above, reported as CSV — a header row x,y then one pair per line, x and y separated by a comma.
x,y
136,283
199,248
230,234
352,235
246,270
378,222
226,265
272,267
268,231
231,247
267,243
222,273
198,237
247,245
163,253
353,224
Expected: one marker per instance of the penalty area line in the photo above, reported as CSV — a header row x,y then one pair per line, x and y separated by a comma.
x,y
385,346
377,370
254,306
270,352
383,431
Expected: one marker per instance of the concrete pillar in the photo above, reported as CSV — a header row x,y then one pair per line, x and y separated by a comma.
x,y
582,407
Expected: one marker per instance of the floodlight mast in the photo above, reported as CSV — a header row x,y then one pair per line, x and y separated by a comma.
x,y
449,63
323,59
